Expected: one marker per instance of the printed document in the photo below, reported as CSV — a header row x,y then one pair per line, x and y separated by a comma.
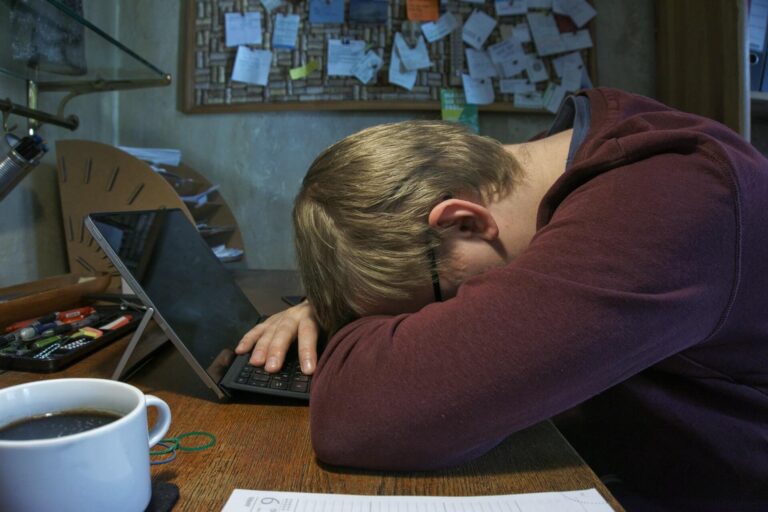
x,y
588,500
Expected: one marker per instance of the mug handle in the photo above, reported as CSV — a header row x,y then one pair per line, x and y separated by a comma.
x,y
163,421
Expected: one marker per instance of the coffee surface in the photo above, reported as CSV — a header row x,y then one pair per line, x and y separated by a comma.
x,y
59,424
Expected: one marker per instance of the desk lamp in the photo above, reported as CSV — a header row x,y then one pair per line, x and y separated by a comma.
x,y
24,155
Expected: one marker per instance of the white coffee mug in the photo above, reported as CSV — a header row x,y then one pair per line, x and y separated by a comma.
x,y
102,469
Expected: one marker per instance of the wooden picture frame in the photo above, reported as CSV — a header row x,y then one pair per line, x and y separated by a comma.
x,y
206,68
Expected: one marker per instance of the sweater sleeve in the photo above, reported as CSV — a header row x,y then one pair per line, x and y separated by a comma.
x,y
635,265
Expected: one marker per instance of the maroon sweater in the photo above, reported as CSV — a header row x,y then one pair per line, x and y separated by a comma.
x,y
643,296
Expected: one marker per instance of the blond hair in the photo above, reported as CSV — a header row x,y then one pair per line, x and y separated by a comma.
x,y
361,217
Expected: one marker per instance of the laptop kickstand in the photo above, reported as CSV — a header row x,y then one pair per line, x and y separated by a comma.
x,y
148,313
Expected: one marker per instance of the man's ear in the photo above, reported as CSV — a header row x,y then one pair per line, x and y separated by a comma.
x,y
470,218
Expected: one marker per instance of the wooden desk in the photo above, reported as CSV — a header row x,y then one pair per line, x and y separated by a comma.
x,y
265,444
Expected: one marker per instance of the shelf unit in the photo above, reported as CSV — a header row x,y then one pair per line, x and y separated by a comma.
x,y
51,47
96,177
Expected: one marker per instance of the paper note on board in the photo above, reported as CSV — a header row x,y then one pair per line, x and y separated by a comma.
x,y
240,29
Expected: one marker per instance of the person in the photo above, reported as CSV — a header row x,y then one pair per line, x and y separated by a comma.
x,y
610,274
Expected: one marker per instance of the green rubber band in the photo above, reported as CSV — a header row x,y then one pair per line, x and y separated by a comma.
x,y
174,446
196,448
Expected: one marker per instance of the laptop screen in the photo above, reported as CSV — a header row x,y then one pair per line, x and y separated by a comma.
x,y
181,278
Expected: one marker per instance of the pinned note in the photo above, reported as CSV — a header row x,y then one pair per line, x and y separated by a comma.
x,y
521,32
578,10
516,86
285,31
528,100
579,40
304,71
508,56
343,54
511,7
435,31
271,4
478,91
480,64
553,97
477,29
369,11
240,29
545,34
326,11
412,58
252,66
536,70
422,10
398,75
367,67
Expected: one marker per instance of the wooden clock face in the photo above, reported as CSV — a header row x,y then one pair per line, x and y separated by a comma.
x,y
95,177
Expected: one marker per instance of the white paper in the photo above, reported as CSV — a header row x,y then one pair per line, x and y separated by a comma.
x,y
242,29
478,92
477,28
545,33
553,97
511,7
579,10
367,67
270,4
436,30
528,100
536,70
286,30
399,76
516,85
509,57
587,500
559,62
480,64
521,32
252,66
571,79
412,58
579,40
157,156
343,54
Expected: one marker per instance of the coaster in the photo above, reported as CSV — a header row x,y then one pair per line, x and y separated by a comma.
x,y
164,497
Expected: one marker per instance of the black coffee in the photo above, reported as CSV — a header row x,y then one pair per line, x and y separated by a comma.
x,y
57,424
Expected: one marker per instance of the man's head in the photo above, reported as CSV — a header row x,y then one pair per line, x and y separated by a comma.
x,y
361,218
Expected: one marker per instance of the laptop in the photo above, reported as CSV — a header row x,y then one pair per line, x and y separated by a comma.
x,y
196,301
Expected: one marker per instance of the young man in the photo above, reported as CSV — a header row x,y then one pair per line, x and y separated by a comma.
x,y
615,269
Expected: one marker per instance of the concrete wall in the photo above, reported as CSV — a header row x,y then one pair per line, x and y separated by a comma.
x,y
257,158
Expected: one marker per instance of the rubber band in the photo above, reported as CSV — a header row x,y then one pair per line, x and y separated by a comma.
x,y
168,449
211,442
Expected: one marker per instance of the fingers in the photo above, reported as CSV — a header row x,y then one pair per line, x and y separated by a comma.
x,y
308,346
270,340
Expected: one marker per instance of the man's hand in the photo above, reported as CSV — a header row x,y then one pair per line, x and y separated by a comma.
x,y
270,339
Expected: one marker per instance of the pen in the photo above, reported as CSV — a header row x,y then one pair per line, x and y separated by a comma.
x,y
67,316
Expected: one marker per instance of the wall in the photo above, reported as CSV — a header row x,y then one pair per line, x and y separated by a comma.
x,y
258,158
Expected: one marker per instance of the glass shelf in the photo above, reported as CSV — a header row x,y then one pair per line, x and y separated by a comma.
x,y
53,47
52,41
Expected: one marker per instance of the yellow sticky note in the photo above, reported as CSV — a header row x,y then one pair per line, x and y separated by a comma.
x,y
303,71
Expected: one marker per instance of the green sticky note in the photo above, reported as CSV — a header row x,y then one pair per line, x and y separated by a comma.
x,y
303,71
453,107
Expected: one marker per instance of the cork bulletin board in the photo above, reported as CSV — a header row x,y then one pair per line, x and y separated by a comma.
x,y
207,85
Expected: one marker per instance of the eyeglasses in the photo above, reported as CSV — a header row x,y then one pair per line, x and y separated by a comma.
x,y
435,276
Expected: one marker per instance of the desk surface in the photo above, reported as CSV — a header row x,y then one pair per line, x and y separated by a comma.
x,y
264,444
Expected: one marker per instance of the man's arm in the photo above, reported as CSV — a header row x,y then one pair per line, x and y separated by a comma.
x,y
632,268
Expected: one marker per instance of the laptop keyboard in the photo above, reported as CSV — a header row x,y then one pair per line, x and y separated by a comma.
x,y
289,378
